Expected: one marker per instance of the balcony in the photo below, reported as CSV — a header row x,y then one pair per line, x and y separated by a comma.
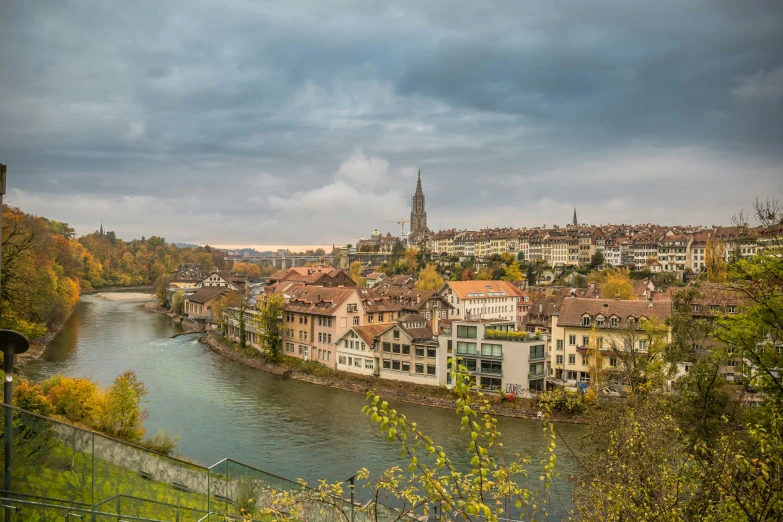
x,y
491,371
521,337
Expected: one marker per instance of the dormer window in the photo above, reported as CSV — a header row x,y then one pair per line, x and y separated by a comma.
x,y
599,321
614,322
631,323
585,320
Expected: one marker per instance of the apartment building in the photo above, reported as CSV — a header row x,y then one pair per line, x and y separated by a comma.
x,y
673,251
497,300
313,317
609,327
500,359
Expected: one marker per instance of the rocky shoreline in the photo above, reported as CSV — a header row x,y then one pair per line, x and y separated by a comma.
x,y
389,390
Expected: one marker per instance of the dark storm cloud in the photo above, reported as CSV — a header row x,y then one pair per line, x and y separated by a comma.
x,y
236,122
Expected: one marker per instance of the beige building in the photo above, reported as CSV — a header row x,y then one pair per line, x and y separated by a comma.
x,y
313,317
611,328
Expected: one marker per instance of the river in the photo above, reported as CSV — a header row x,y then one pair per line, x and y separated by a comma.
x,y
222,409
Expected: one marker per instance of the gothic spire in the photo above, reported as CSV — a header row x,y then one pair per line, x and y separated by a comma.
x,y
418,184
575,221
102,227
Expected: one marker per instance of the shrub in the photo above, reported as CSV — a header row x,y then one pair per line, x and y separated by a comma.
x,y
563,400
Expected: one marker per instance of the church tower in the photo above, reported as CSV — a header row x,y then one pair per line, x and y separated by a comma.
x,y
576,223
418,214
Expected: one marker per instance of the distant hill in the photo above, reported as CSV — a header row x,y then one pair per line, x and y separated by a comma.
x,y
186,245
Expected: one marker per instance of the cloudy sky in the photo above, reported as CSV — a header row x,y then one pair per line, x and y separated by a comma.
x,y
304,123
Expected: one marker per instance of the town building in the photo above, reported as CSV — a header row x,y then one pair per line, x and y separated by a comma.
x,y
496,300
500,358
614,329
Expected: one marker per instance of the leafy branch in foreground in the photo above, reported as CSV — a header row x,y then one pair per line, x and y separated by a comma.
x,y
432,484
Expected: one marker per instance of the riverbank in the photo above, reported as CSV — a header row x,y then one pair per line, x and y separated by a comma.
x,y
314,373
123,296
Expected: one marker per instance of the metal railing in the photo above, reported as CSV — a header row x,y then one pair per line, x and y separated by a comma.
x,y
65,472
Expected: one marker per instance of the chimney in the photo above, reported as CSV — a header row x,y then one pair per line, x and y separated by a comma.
x,y
435,317
418,299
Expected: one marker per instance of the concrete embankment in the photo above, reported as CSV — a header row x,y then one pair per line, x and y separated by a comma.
x,y
389,390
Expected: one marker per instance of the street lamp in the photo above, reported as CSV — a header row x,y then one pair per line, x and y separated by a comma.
x,y
352,481
11,343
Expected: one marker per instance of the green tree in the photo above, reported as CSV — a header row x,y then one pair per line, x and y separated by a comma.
x,y
162,289
596,260
269,323
521,255
178,302
356,274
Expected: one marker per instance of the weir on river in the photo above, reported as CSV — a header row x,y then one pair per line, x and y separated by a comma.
x,y
220,409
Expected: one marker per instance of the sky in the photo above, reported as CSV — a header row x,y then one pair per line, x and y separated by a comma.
x,y
242,122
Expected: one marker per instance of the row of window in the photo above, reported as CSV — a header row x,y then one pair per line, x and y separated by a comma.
x,y
354,345
627,343
614,322
405,349
572,360
324,338
356,362
403,366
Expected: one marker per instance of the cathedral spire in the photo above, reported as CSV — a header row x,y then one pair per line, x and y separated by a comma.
x,y
418,212
102,227
418,184
575,221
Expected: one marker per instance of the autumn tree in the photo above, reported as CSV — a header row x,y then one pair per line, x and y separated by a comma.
x,y
356,274
513,273
162,289
412,257
714,261
178,302
268,323
617,283
468,275
118,411
429,279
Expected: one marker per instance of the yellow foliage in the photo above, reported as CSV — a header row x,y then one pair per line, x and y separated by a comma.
x,y
617,282
429,279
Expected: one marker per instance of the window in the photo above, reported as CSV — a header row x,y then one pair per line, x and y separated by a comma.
x,y
357,362
387,364
470,364
329,338
571,340
387,347
356,321
448,346
490,383
396,334
406,367
431,353
731,309
319,321
695,308
369,318
585,340
395,348
406,349
319,337
559,344
586,320
342,359
395,365
537,351
419,368
599,322
492,350
492,367
467,332
430,369
368,364
614,322
642,345
572,359
559,359
584,360
536,369
419,352
612,362
466,348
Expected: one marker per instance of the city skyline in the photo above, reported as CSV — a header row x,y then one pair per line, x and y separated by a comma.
x,y
235,123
